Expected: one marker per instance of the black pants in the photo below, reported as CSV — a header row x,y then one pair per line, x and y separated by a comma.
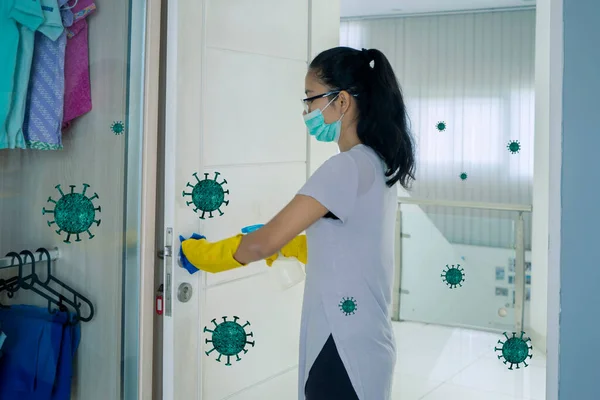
x,y
328,379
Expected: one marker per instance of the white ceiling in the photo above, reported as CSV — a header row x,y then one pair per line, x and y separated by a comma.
x,y
361,8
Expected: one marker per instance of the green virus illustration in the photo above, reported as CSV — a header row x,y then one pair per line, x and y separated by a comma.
x,y
514,146
441,126
515,350
453,276
348,306
117,127
74,213
207,195
463,176
229,339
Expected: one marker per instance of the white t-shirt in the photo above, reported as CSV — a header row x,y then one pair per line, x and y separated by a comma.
x,y
350,270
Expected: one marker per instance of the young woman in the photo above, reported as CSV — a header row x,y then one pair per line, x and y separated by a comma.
x,y
348,209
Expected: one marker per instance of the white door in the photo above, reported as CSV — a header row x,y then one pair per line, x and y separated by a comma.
x,y
235,74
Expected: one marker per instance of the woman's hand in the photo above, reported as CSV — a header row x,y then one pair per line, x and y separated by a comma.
x,y
185,263
295,248
199,254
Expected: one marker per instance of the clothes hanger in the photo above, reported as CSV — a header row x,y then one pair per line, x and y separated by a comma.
x,y
68,8
54,298
19,282
78,298
11,285
33,283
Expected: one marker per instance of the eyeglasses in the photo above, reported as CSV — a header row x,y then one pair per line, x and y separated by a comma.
x,y
308,101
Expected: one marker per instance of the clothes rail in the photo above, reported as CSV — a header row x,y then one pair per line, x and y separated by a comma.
x,y
8,262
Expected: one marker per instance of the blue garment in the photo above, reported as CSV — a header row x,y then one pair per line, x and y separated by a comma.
x,y
45,96
39,353
70,342
20,353
48,353
2,339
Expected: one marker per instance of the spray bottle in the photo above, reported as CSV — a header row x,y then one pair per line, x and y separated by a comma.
x,y
286,271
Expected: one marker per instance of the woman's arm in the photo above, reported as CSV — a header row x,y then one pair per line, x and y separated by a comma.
x,y
297,216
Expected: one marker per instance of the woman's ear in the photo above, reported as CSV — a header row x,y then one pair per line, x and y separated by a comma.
x,y
344,99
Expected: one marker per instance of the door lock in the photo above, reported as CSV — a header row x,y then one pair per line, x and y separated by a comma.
x,y
184,293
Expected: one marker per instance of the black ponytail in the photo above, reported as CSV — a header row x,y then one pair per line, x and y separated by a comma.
x,y
382,118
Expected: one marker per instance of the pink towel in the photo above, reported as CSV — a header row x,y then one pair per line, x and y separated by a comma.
x,y
78,93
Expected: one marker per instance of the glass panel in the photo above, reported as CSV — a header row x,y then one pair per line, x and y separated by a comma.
x,y
132,206
458,267
69,182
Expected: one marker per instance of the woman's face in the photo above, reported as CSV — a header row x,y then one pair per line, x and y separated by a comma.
x,y
315,88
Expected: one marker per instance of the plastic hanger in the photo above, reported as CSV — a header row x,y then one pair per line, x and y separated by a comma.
x,y
68,8
54,298
11,285
33,283
77,298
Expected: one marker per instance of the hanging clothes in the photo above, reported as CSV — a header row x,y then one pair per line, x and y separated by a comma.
x,y
78,92
14,124
16,18
45,97
38,353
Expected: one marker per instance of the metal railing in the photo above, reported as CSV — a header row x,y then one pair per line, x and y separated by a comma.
x,y
519,247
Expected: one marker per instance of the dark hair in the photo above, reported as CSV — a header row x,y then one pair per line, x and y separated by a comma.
x,y
382,118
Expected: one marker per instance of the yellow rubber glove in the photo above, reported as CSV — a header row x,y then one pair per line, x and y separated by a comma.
x,y
295,248
212,257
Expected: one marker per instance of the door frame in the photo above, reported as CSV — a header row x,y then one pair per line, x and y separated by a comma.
x,y
183,109
549,21
148,196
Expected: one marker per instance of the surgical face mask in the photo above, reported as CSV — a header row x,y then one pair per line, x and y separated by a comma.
x,y
323,132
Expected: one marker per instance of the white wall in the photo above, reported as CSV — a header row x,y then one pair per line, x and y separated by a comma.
x,y
92,154
324,34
